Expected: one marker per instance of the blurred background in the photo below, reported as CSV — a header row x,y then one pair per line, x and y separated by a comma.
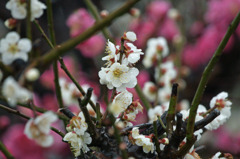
x,y
193,30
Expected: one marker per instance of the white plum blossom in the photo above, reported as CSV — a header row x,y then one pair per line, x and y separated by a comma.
x,y
150,91
132,54
38,129
12,48
102,75
113,53
78,143
14,93
154,113
122,77
120,103
221,103
157,49
166,74
77,135
119,71
130,36
18,8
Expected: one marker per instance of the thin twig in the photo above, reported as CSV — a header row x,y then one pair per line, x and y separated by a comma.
x,y
63,66
97,17
156,139
83,105
29,26
205,77
42,110
43,33
171,111
53,42
5,151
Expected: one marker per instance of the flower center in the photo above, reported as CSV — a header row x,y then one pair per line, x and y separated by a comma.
x,y
220,104
117,72
159,48
13,48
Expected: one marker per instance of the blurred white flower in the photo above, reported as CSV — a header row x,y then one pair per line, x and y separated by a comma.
x,y
38,129
166,74
164,94
12,48
150,91
14,93
18,8
70,92
120,103
154,113
157,49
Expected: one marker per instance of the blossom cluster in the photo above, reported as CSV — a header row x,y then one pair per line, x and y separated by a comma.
x,y
77,136
120,73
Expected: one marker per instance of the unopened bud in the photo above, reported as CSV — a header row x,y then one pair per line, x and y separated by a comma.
x,y
104,13
130,36
164,141
32,74
134,12
10,23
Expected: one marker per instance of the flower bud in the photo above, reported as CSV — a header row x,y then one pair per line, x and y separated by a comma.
x,y
10,23
104,13
32,74
134,12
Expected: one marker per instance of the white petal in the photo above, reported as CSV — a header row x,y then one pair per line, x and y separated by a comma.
x,y
25,45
